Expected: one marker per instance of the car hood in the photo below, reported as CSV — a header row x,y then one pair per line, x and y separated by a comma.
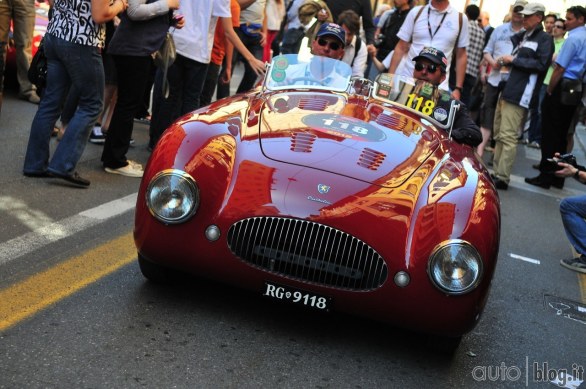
x,y
361,140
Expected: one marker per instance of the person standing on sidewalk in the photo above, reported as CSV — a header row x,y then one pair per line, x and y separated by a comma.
x,y
531,56
75,36
22,15
557,112
132,52
559,31
498,45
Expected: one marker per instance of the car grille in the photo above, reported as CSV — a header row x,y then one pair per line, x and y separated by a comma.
x,y
307,251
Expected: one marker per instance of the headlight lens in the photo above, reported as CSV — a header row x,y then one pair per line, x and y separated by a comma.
x,y
172,196
455,267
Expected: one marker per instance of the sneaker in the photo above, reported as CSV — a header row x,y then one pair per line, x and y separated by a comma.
x,y
97,136
32,97
576,264
534,145
131,142
144,120
133,169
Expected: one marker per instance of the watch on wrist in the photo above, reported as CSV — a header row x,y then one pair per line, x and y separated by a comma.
x,y
458,88
577,174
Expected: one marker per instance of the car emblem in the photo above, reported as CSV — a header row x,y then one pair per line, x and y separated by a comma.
x,y
323,189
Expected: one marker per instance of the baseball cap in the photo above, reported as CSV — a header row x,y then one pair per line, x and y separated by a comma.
x,y
520,3
434,55
533,8
332,29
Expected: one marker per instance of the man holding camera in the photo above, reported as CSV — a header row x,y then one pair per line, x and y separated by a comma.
x,y
573,212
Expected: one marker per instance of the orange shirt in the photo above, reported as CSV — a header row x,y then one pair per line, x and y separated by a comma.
x,y
218,51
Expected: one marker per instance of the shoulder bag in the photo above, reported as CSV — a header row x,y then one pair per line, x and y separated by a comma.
x,y
164,58
37,72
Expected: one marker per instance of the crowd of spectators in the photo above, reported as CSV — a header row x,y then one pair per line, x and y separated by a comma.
x,y
518,79
502,74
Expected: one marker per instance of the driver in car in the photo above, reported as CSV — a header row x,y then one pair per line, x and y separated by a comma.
x,y
430,66
329,42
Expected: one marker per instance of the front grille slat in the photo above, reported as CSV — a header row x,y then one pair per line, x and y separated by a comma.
x,y
307,251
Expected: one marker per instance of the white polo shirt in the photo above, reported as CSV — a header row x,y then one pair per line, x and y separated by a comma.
x,y
432,29
196,39
360,61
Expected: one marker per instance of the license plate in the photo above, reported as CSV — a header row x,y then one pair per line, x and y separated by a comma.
x,y
297,296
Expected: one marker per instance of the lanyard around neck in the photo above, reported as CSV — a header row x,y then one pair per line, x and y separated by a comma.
x,y
429,25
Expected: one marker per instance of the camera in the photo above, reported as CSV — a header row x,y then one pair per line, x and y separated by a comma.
x,y
379,40
553,166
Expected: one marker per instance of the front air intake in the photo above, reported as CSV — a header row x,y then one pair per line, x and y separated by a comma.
x,y
307,251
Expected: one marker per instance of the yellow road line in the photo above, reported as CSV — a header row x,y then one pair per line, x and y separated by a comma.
x,y
39,291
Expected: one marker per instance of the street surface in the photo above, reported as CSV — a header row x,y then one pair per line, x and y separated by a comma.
x,y
75,311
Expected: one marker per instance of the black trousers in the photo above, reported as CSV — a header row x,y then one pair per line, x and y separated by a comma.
x,y
209,85
133,73
555,123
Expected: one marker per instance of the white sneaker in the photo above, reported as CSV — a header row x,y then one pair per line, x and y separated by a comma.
x,y
133,169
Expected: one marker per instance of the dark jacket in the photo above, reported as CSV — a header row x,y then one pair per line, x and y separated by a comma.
x,y
362,7
141,38
464,129
529,67
389,31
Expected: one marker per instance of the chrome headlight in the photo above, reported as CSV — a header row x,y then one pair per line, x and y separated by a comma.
x,y
455,267
172,196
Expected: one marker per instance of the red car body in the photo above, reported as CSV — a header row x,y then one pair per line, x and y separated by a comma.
x,y
325,179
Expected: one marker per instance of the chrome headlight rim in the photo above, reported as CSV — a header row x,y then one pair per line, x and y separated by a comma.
x,y
435,256
192,186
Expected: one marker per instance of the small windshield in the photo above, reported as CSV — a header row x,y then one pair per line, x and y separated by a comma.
x,y
289,71
418,95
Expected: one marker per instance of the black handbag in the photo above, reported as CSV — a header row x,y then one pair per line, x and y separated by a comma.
x,y
571,91
37,73
164,58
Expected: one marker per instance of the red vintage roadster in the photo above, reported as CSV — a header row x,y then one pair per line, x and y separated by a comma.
x,y
328,192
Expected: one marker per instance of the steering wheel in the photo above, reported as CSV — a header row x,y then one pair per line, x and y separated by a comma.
x,y
311,80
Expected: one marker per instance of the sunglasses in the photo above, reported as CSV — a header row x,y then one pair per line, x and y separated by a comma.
x,y
562,27
431,68
335,46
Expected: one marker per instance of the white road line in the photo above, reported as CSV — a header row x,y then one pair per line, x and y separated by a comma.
x,y
53,232
530,260
519,183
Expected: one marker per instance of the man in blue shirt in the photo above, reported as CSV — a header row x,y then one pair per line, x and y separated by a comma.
x,y
557,113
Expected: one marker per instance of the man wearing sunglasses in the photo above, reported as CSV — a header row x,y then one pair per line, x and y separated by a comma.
x,y
329,41
431,66
528,63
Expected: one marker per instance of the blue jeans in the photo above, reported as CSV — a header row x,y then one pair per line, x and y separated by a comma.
x,y
573,211
69,65
535,125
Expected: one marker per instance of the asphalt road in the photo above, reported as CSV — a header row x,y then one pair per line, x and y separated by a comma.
x,y
76,312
